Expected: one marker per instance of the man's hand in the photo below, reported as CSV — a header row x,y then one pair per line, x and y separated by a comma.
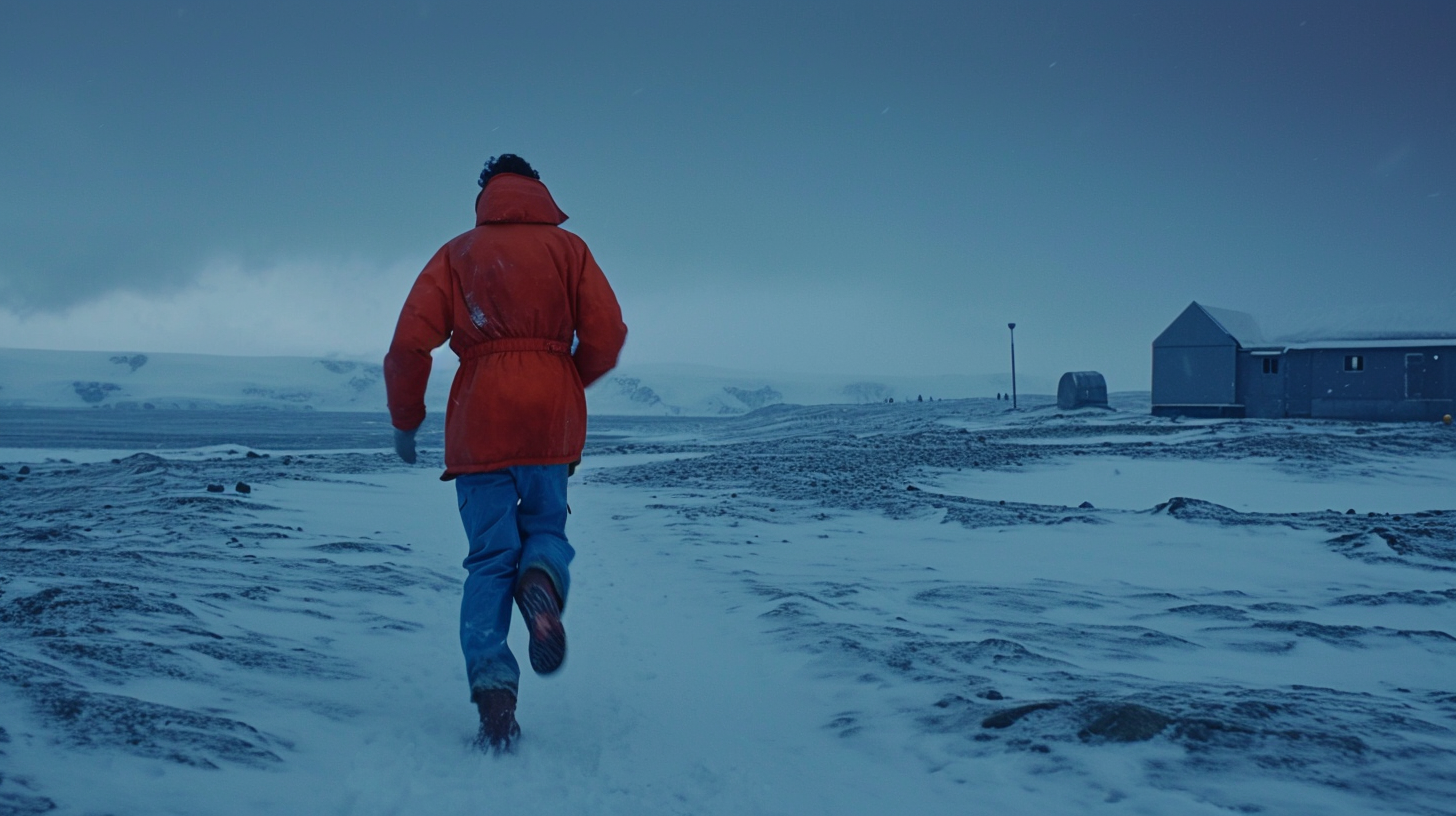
x,y
404,445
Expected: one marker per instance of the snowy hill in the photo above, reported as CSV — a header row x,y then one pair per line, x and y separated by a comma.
x,y
681,390
31,378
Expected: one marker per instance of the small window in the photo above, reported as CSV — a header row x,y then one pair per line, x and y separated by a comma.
x,y
1354,362
1271,365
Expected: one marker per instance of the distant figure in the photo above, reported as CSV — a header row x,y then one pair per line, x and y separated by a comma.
x,y
920,399
510,295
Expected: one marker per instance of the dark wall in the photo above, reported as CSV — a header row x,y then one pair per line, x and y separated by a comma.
x,y
1194,375
1392,386
1298,384
1261,393
1194,362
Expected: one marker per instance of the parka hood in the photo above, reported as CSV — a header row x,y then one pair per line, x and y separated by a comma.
x,y
515,199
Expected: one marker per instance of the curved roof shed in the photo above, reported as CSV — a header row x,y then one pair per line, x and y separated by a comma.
x,y
1080,389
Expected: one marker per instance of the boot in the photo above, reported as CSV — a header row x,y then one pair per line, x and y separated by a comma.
x,y
536,597
498,728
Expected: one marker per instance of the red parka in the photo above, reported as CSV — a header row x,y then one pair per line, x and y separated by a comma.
x,y
509,295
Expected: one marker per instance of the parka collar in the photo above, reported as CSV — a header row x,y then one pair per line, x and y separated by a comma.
x,y
512,198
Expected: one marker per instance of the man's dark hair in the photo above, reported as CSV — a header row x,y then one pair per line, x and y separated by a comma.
x,y
507,163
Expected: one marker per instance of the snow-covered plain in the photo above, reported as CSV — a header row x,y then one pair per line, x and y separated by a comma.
x,y
135,381
766,618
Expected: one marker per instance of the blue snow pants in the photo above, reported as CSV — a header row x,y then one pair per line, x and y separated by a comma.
x,y
515,519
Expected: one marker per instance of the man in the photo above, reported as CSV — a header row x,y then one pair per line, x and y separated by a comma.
x,y
510,296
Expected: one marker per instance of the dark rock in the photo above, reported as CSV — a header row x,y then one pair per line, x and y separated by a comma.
x,y
13,803
1350,512
24,469
244,488
1209,611
1125,722
214,488
1008,717
135,361
252,455
338,366
1173,505
991,694
93,392
911,487
1086,506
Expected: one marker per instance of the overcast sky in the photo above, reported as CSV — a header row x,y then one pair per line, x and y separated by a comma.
x,y
839,186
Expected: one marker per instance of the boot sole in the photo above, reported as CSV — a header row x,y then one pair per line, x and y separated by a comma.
x,y
543,621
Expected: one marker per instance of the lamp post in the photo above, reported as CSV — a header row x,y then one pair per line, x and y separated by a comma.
x,y
1012,327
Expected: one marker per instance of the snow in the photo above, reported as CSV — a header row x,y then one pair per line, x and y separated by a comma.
x,y
1410,342
31,378
1249,485
1366,326
1240,325
143,381
764,619
682,390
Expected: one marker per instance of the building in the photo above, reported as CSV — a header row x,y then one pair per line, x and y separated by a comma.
x,y
1081,389
1216,363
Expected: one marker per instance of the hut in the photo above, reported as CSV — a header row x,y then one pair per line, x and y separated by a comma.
x,y
1081,389
1216,363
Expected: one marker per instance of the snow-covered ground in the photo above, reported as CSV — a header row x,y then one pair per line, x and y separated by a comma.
x,y
136,381
832,609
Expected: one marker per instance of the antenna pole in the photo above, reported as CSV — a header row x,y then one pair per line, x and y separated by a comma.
x,y
1012,327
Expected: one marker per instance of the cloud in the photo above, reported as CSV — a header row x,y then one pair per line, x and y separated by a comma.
x,y
290,309
793,327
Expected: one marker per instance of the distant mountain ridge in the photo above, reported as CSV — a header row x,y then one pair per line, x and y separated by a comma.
x,y
34,378
37,378
685,390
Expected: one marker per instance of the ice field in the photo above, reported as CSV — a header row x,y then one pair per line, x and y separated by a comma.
x,y
829,609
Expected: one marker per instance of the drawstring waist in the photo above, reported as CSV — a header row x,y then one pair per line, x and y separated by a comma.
x,y
490,347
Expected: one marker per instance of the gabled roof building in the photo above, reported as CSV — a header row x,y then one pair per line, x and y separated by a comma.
x,y
1216,363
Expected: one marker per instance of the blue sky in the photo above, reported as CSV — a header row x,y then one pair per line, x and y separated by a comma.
x,y
848,186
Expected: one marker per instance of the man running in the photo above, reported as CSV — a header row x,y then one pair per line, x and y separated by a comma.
x,y
510,295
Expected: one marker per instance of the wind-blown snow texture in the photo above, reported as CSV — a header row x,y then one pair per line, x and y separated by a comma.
x,y
826,609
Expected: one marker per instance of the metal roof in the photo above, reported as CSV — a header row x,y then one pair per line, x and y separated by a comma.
x,y
1408,342
1241,326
